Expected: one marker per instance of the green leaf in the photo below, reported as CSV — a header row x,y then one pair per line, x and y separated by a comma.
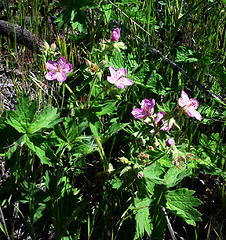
x,y
26,120
185,54
143,219
116,183
116,60
174,175
182,203
23,116
114,128
105,108
9,134
40,147
147,77
152,173
2,229
47,118
107,9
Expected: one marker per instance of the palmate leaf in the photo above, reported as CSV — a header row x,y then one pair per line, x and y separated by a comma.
x,y
175,175
47,118
23,116
143,219
26,120
40,146
182,203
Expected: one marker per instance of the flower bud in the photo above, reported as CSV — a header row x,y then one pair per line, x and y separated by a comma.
x,y
115,35
170,142
53,46
140,175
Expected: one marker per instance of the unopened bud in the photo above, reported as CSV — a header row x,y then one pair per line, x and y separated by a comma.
x,y
53,46
170,142
115,35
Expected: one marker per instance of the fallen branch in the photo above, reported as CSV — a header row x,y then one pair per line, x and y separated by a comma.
x,y
22,35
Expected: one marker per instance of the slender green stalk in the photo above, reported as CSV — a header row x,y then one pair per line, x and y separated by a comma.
x,y
91,89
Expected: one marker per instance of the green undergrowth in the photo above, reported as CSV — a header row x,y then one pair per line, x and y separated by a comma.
x,y
77,160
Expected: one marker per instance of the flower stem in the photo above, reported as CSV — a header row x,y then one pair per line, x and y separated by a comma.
x,y
69,89
91,90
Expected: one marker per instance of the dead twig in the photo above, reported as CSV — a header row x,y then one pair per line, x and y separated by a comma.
x,y
4,224
169,224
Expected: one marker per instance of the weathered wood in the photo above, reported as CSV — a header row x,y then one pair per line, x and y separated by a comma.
x,y
22,35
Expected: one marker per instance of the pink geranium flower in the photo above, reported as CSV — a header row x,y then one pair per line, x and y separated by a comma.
x,y
147,108
189,105
160,121
118,78
115,35
58,69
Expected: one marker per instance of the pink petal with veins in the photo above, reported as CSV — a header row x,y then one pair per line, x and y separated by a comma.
x,y
139,113
121,72
195,103
61,61
127,82
61,77
51,65
184,99
67,68
51,75
113,72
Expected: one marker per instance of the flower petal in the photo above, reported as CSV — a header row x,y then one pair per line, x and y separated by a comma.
x,y
120,84
184,99
51,75
127,82
61,61
121,72
111,80
51,65
193,113
159,117
113,72
67,68
148,105
115,35
165,127
61,77
139,113
198,116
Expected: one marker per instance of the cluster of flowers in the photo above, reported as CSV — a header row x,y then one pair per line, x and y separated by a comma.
x,y
188,105
59,69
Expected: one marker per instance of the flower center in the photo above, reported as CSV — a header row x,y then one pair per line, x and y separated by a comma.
x,y
191,104
59,68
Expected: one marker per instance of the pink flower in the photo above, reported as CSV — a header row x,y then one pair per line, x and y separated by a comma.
x,y
170,142
166,125
115,35
118,78
147,108
140,175
58,69
189,105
